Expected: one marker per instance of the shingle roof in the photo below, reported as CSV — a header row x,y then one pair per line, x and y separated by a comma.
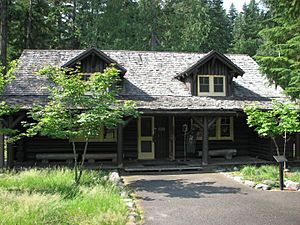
x,y
150,80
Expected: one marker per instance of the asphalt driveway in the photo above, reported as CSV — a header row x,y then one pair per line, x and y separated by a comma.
x,y
211,199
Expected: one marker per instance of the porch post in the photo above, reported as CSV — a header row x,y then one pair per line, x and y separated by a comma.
x,y
205,142
1,147
120,145
297,145
172,137
10,153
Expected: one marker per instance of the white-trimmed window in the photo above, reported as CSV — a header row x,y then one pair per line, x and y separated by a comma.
x,y
211,85
106,135
221,129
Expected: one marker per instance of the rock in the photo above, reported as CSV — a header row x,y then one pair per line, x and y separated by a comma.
x,y
124,194
129,204
259,186
291,185
250,183
238,179
235,168
114,177
266,187
263,187
269,182
133,214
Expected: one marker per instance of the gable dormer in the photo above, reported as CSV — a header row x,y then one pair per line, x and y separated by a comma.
x,y
93,60
212,75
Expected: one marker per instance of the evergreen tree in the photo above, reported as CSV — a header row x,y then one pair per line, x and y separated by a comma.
x,y
4,32
232,15
188,25
220,27
247,25
279,56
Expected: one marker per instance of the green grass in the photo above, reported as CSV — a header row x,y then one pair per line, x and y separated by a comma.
x,y
49,196
267,172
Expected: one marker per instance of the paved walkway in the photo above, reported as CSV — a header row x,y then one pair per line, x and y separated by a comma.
x,y
211,199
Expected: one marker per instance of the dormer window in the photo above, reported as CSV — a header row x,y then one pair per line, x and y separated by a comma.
x,y
91,61
211,85
212,75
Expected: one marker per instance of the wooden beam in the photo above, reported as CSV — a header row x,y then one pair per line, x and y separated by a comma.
x,y
212,121
120,146
16,121
190,112
1,147
205,142
126,122
198,121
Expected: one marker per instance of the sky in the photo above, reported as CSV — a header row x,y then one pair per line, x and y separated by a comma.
x,y
238,4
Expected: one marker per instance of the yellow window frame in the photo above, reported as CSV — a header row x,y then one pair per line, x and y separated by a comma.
x,y
100,137
211,86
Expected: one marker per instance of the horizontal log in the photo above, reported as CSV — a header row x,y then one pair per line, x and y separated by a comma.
x,y
52,156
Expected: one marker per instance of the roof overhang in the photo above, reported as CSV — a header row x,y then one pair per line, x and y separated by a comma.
x,y
212,55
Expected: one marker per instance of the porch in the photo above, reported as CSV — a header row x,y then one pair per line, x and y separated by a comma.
x,y
156,140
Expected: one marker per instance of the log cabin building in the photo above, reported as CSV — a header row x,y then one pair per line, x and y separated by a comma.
x,y
191,106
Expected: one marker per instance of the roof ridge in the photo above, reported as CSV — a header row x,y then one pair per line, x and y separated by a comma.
x,y
137,51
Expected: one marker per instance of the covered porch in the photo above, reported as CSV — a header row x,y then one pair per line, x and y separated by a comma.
x,y
181,139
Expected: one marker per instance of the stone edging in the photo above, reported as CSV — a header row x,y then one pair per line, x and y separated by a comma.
x,y
265,185
133,217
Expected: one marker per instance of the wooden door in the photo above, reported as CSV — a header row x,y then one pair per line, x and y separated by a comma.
x,y
161,138
145,137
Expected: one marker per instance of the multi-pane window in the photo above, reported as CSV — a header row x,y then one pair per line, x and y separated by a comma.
x,y
225,126
106,135
211,85
219,84
203,84
221,129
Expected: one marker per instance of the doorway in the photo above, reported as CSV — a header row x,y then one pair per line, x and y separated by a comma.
x,y
145,138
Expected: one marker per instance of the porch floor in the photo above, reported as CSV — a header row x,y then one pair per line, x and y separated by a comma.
x,y
158,165
189,164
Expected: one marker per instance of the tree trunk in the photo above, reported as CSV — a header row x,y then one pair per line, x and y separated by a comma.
x,y
276,146
29,26
75,161
82,160
4,32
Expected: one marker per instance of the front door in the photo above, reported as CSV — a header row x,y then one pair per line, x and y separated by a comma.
x,y
161,137
145,137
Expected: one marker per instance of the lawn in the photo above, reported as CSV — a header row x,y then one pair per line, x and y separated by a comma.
x,y
267,172
49,196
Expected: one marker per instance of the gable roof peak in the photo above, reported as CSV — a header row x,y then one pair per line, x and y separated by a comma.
x,y
213,54
97,52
